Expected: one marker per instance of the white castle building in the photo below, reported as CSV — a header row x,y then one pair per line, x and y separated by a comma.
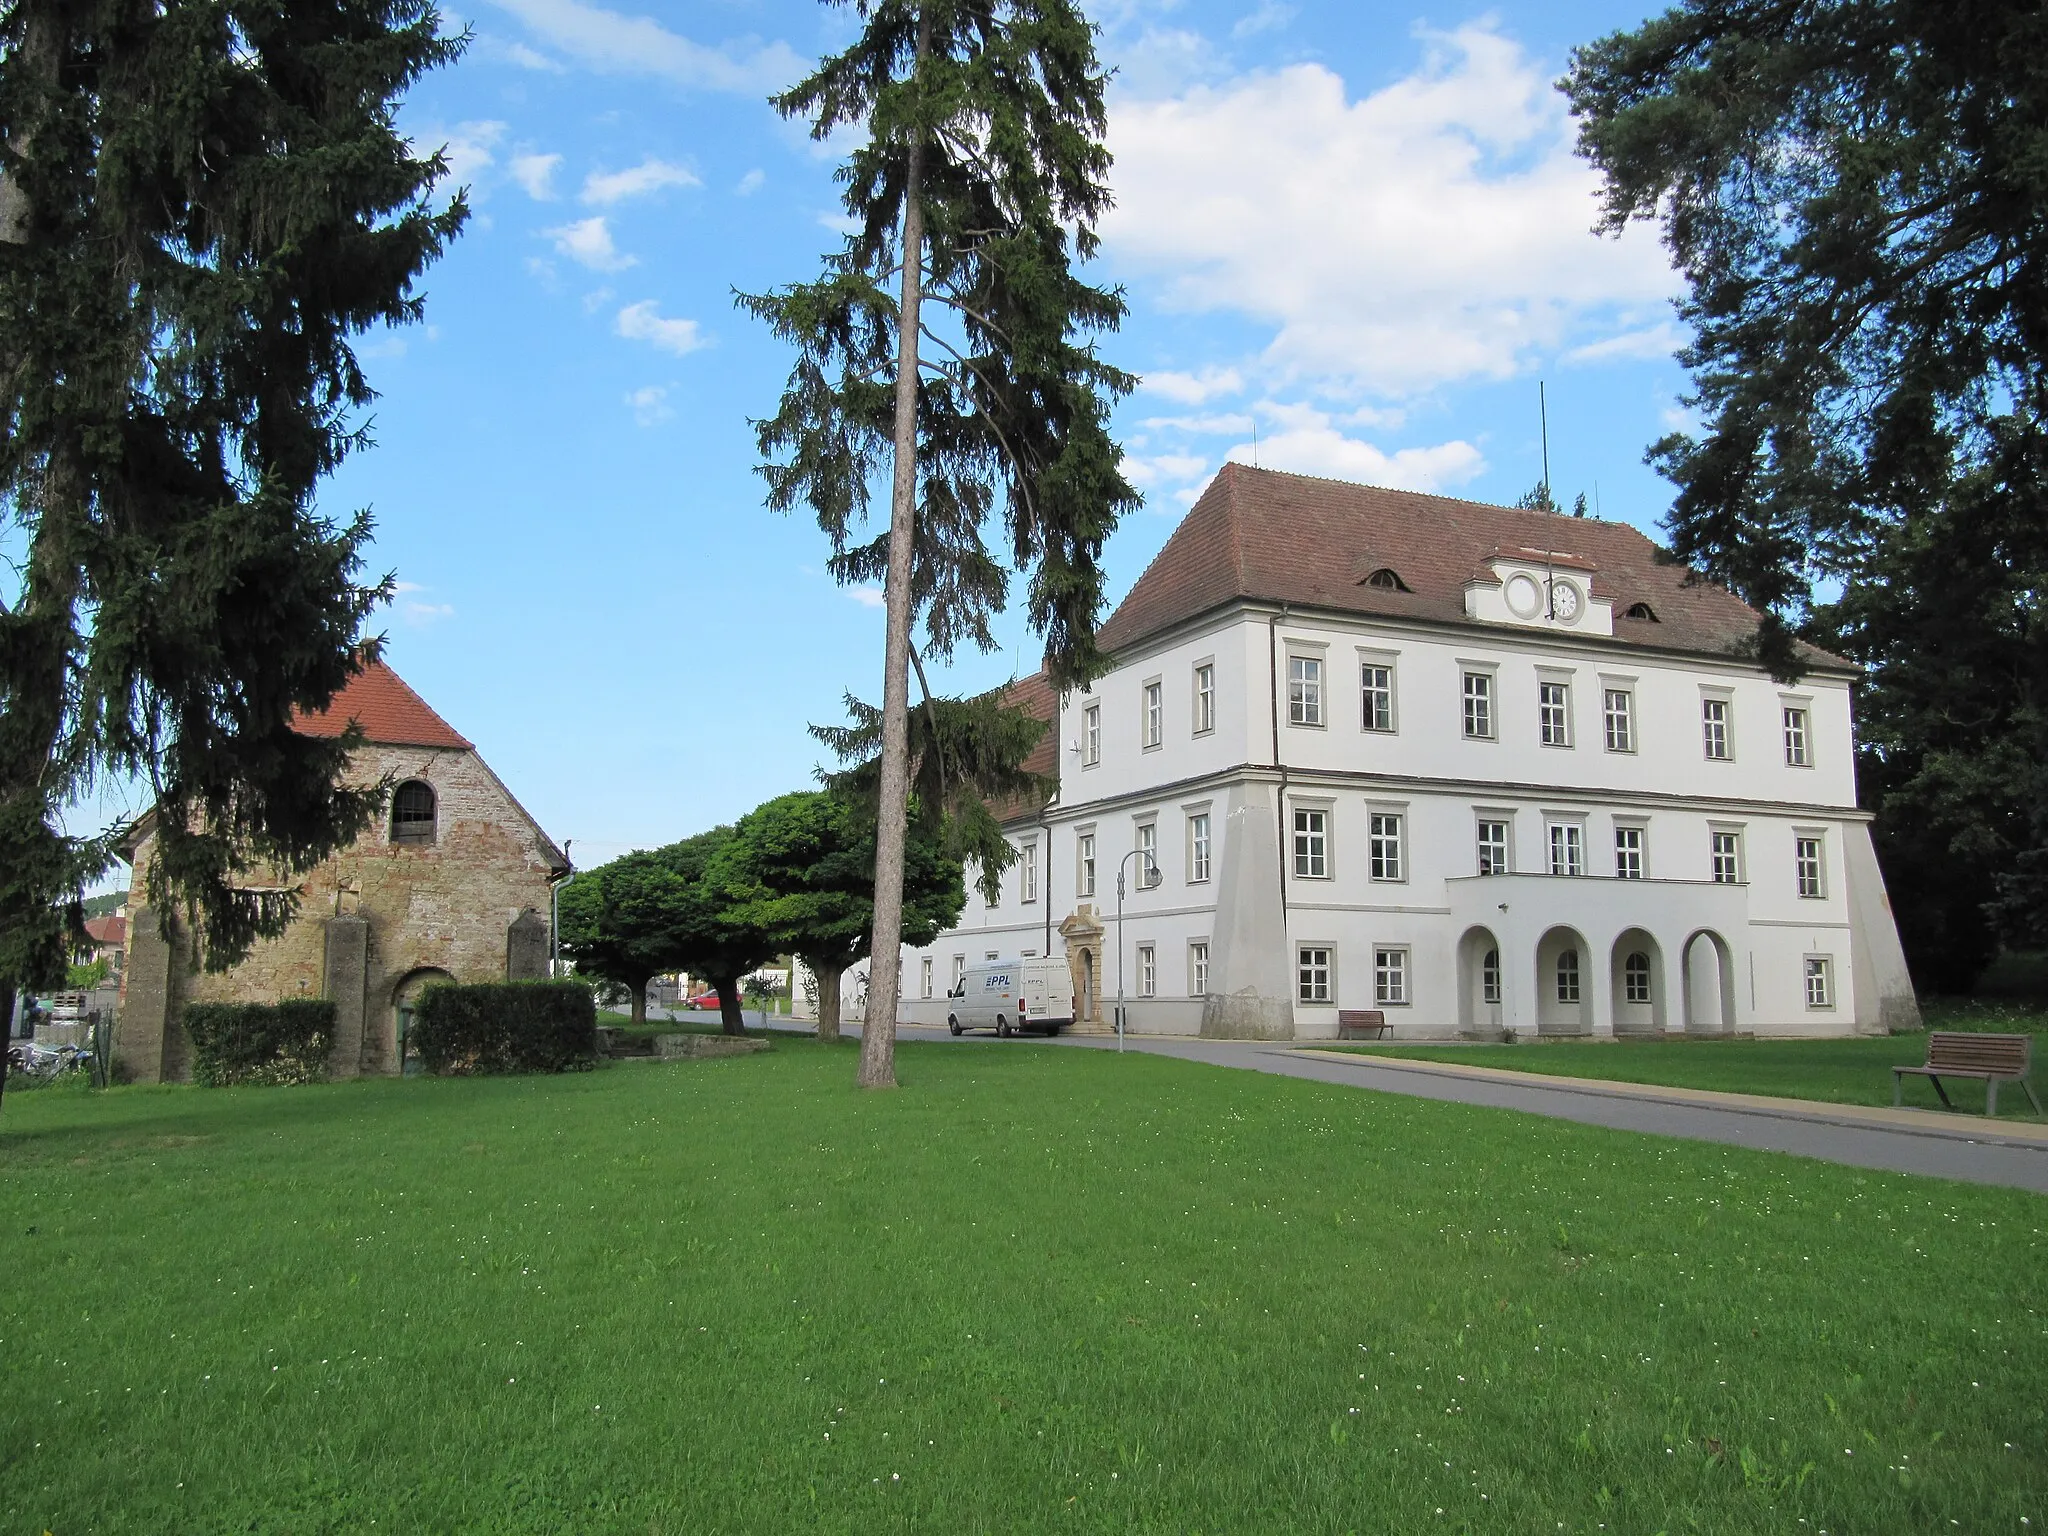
x,y
1475,767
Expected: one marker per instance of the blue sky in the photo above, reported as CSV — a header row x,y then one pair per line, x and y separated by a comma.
x,y
1358,229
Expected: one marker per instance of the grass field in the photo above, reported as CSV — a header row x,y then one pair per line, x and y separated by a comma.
x,y
1855,1071
1033,1290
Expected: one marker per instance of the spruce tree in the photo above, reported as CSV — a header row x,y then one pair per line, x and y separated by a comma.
x,y
951,337
201,202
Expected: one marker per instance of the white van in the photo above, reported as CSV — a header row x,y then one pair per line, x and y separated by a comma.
x,y
1011,996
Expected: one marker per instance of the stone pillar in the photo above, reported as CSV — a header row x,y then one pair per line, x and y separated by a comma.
x,y
346,985
1251,974
526,947
146,988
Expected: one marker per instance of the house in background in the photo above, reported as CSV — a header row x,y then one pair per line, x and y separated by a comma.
x,y
1479,768
108,941
452,883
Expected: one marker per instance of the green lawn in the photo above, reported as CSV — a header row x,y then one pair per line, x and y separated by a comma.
x,y
1033,1290
1834,1071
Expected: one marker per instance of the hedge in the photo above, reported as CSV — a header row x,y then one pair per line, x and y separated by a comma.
x,y
507,1026
285,1042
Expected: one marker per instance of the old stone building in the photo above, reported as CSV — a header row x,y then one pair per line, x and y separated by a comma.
x,y
451,883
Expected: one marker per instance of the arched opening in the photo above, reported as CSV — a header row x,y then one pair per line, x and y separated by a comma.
x,y
1709,980
1482,1000
1641,611
405,998
1387,579
1563,985
1636,981
412,812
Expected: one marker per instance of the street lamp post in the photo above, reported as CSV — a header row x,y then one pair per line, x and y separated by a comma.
x,y
1152,873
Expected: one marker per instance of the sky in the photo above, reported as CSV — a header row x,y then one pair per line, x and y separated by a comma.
x,y
1356,234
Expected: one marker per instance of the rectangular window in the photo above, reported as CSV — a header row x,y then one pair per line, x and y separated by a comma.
x,y
1084,864
1198,968
1727,858
1305,690
1390,978
1820,982
1797,753
1493,847
1091,735
1489,977
959,971
1714,723
1155,714
1568,976
1554,713
1312,974
925,978
1806,859
1567,848
1027,878
1198,847
1376,696
1148,855
1383,837
1619,707
1479,706
1205,698
1312,844
1148,971
1635,978
1628,853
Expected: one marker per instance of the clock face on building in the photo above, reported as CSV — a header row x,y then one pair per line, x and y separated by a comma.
x,y
1564,601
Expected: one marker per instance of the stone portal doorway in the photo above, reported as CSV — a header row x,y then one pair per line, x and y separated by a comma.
x,y
1083,933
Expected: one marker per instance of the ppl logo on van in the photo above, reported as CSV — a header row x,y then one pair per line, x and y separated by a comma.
x,y
997,979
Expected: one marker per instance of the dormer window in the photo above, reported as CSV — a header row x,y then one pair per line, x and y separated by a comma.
x,y
1387,579
1641,611
412,813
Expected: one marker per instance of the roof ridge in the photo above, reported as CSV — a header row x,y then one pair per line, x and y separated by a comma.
x,y
1461,501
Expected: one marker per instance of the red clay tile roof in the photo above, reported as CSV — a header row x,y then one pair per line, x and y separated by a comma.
x,y
390,713
112,929
1262,535
1036,696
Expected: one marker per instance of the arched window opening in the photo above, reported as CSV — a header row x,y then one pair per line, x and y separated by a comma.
x,y
1568,976
1635,978
412,813
1489,977
1387,579
1641,611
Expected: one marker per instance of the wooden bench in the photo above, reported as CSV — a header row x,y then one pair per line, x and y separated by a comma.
x,y
1361,1024
1994,1058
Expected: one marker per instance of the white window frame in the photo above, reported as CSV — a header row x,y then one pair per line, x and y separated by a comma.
x,y
1818,982
1631,862
1628,980
1490,977
1390,976
1624,739
1735,850
1816,887
1564,834
1091,734
1370,662
1795,718
1198,967
1152,714
1506,823
1201,846
1313,976
1717,726
1484,696
1027,872
1205,696
1148,970
1307,680
1084,861
1145,839
925,978
1576,975
959,972
1311,841
1554,711
1386,839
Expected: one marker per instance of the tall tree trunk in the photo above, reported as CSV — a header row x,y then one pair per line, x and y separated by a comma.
x,y
826,969
730,1019
6,1033
878,1031
639,991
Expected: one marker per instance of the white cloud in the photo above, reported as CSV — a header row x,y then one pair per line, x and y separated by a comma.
x,y
1151,471
869,597
1194,388
607,187
1208,426
589,242
536,173
1309,443
1437,229
1270,16
650,405
750,183
530,58
1651,341
615,43
469,149
644,322
420,615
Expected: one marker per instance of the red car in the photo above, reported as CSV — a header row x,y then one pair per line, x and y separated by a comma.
x,y
707,1000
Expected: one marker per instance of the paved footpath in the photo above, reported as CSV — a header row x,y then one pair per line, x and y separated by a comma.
x,y
1966,1147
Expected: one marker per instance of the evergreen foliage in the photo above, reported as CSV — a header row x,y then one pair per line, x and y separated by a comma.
x,y
1853,194
275,1043
506,1027
622,923
201,202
